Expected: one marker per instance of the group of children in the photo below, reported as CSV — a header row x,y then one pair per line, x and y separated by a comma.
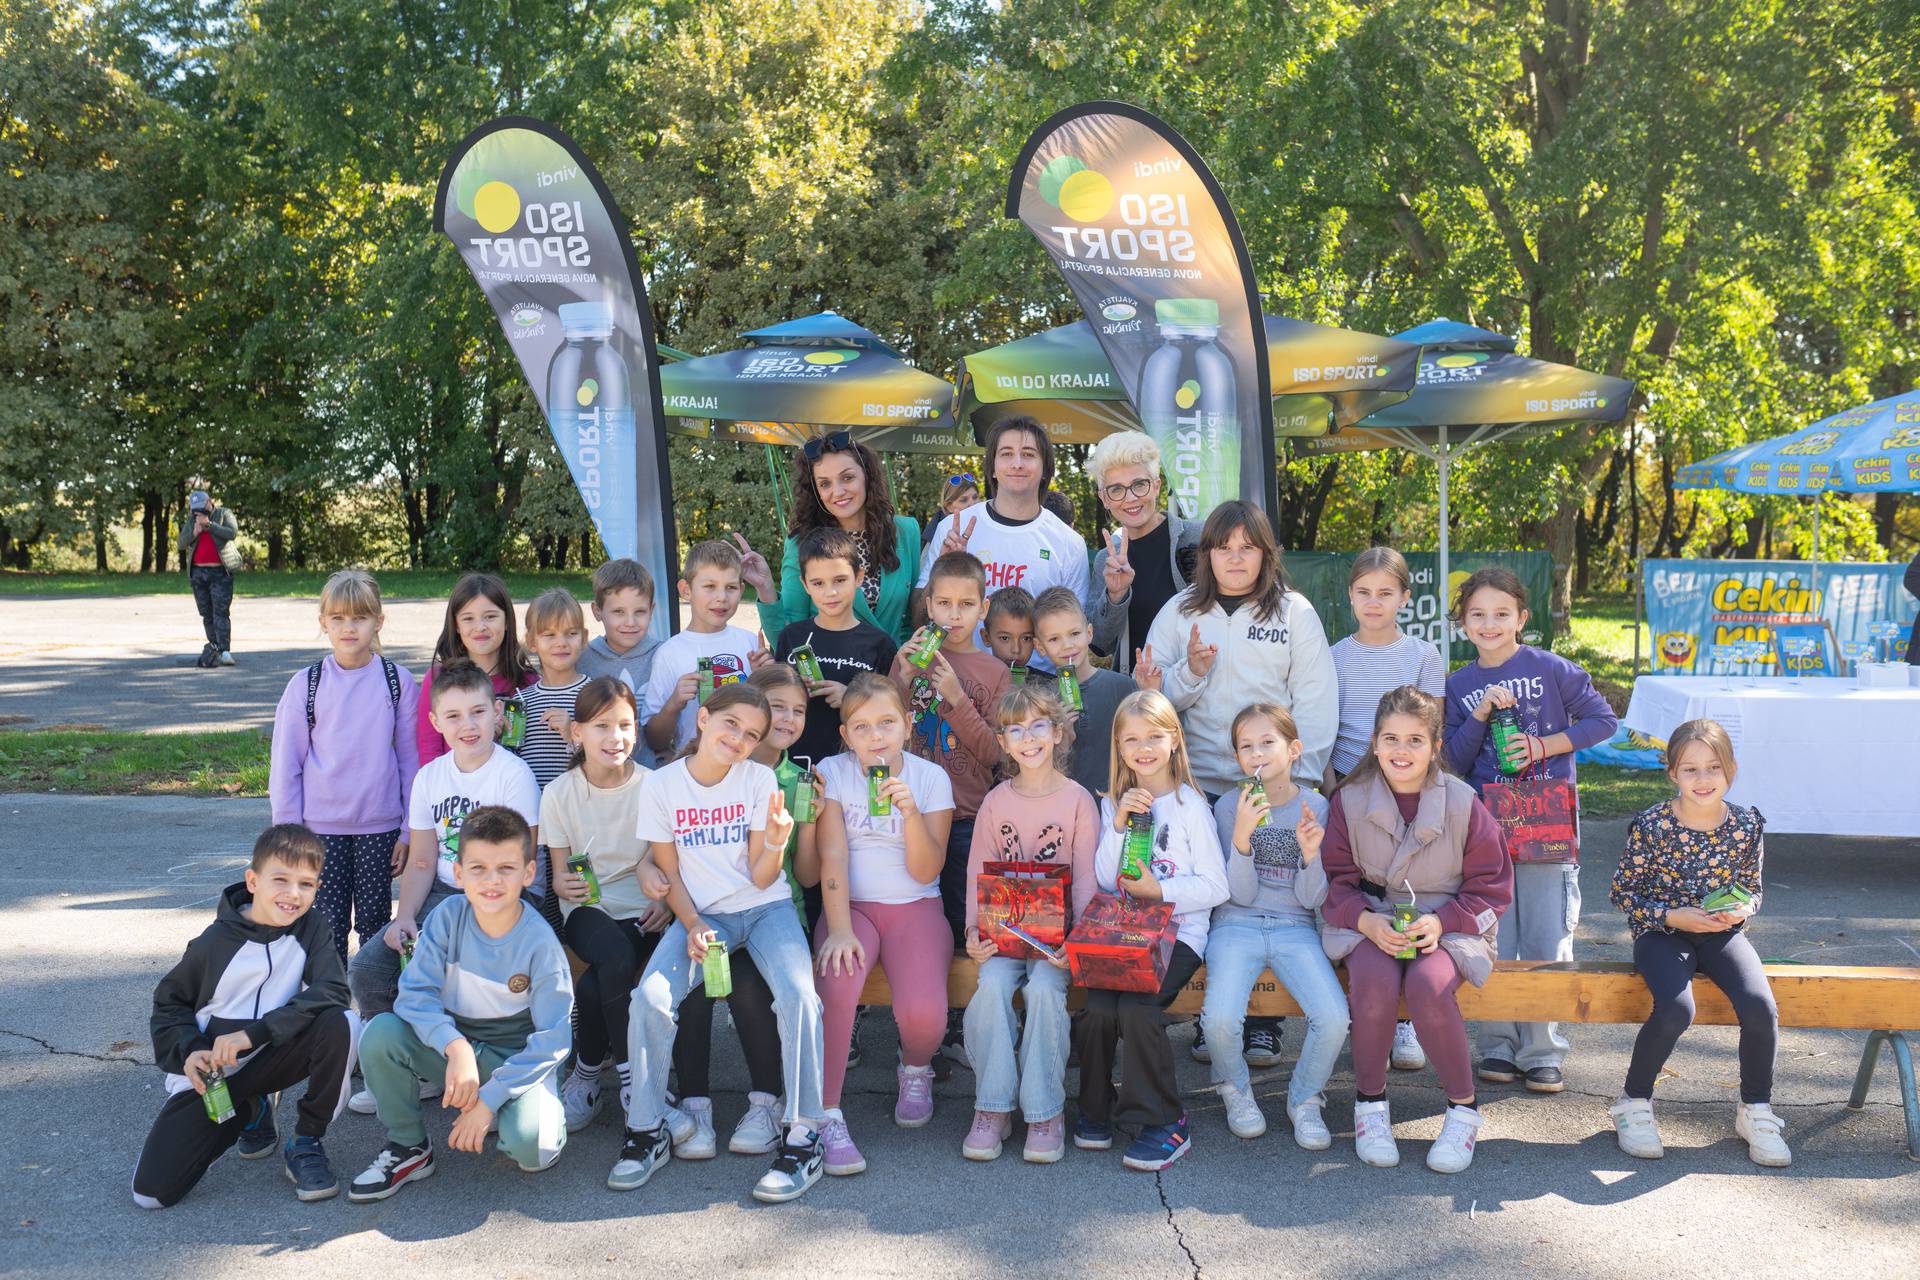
x,y
724,817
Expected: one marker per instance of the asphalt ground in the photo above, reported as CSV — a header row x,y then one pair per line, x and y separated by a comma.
x,y
98,896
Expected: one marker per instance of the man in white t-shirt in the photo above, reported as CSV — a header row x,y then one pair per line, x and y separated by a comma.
x,y
1021,543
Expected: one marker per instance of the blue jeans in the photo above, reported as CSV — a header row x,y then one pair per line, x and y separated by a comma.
x,y
1539,926
1040,1072
771,934
1237,950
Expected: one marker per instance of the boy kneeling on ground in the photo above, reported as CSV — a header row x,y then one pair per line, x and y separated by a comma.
x,y
257,1004
484,1010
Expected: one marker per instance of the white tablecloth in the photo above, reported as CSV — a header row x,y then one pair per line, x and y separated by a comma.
x,y
1816,754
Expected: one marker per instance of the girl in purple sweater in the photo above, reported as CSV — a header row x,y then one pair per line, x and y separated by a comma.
x,y
343,758
1560,712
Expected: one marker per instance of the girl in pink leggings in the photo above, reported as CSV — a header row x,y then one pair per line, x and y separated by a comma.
x,y
882,839
1402,834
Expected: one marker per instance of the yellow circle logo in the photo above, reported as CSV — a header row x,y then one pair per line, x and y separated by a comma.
x,y
828,357
1086,196
496,207
587,391
1457,361
1188,394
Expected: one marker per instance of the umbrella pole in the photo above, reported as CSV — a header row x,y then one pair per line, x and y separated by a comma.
x,y
773,474
1444,458
1816,549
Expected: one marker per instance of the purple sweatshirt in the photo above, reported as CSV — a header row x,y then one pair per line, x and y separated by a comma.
x,y
1553,695
353,774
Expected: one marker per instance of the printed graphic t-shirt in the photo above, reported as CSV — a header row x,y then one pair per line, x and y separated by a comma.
x,y
877,846
709,827
843,655
728,647
1036,554
443,796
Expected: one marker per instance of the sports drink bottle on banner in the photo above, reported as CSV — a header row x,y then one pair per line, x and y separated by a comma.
x,y
1132,217
534,223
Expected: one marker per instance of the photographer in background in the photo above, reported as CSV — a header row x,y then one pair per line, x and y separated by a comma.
x,y
207,545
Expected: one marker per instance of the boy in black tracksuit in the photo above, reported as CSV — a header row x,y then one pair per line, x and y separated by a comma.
x,y
262,996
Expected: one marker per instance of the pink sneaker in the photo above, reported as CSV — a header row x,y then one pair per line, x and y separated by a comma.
x,y
842,1158
990,1130
1046,1141
914,1107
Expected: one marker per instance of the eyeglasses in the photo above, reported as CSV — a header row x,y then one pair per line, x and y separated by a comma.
x,y
964,478
837,442
1138,489
1018,733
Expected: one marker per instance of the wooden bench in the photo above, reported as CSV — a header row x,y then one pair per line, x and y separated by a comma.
x,y
1885,1002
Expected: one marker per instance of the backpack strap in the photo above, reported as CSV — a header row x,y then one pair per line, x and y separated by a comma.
x,y
313,689
392,674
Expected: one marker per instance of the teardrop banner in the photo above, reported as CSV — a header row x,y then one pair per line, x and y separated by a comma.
x,y
536,226
1133,219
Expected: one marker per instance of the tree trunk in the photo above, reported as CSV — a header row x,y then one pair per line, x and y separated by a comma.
x,y
99,539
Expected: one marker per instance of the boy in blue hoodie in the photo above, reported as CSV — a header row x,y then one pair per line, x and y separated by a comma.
x,y
623,605
485,1006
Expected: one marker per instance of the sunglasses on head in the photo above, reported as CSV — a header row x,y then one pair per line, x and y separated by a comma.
x,y
837,442
964,478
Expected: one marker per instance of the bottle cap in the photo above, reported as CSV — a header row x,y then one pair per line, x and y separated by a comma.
x,y
586,318
1187,312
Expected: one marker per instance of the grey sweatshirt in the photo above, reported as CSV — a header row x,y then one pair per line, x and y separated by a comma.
x,y
1274,880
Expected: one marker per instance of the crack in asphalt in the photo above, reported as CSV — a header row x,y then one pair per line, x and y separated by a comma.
x,y
1179,1236
72,1053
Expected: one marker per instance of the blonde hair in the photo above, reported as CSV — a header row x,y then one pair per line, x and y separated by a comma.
x,y
1122,449
1710,734
1036,702
352,592
1152,706
551,606
1381,560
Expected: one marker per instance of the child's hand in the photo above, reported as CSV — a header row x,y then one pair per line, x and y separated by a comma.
x,y
685,690
1498,695
400,932
1380,929
1424,933
1734,915
779,822
697,941
754,570
401,848
896,790
840,955
819,785
228,1048
979,948
832,690
1200,655
1245,818
762,655
1145,888
463,1077
1694,920
196,1068
569,885
653,882
655,918
1146,672
1309,833
1523,751
557,721
1132,800
469,1132
946,681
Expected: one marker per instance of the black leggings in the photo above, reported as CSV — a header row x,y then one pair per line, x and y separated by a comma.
x,y
1667,963
614,952
1130,1022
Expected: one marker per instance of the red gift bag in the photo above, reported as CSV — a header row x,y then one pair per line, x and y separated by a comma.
x,y
1541,818
1121,944
1037,896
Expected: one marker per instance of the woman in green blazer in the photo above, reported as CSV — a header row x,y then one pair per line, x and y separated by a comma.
x,y
838,484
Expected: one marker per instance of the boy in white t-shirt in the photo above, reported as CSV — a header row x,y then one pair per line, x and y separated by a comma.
x,y
710,583
475,771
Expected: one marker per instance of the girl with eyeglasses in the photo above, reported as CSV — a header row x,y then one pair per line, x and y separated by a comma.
x,y
1147,560
1039,815
838,484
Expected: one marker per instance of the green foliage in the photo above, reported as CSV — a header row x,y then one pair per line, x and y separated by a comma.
x,y
100,763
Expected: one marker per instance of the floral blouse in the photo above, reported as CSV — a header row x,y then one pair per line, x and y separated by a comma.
x,y
1669,865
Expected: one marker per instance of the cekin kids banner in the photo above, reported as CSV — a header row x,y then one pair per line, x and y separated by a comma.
x,y
1134,220
1693,605
537,228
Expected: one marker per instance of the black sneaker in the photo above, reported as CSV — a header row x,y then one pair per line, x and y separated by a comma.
x,y
795,1169
308,1170
1545,1080
259,1137
645,1151
395,1166
1497,1071
1200,1051
1260,1046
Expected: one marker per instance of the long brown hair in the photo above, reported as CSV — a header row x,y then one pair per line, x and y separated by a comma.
x,y
513,665
1269,590
876,513
728,695
1407,700
595,696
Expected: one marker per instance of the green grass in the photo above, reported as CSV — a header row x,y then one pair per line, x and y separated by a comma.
x,y
143,764
1600,638
1608,791
394,583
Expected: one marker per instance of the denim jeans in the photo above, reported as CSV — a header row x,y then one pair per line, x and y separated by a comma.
x,y
771,934
1539,926
1237,950
1039,1072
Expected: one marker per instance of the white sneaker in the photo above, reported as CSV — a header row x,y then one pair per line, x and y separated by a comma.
x,y
1373,1135
760,1130
1407,1053
580,1100
690,1125
1764,1132
1634,1125
1453,1152
1309,1127
226,657
1244,1117
363,1104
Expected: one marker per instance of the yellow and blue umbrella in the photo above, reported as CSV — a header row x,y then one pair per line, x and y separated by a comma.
x,y
1871,448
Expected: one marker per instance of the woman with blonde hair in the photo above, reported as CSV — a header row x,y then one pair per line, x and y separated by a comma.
x,y
1144,563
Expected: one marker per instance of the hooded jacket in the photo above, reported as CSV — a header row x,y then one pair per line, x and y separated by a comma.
x,y
240,976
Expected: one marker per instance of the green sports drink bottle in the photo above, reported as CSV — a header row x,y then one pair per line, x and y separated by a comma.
x,y
1017,673
1136,849
717,971
802,805
1729,897
218,1098
1069,686
406,952
1404,914
515,732
1257,790
1505,727
580,866
924,657
879,805
706,680
807,663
